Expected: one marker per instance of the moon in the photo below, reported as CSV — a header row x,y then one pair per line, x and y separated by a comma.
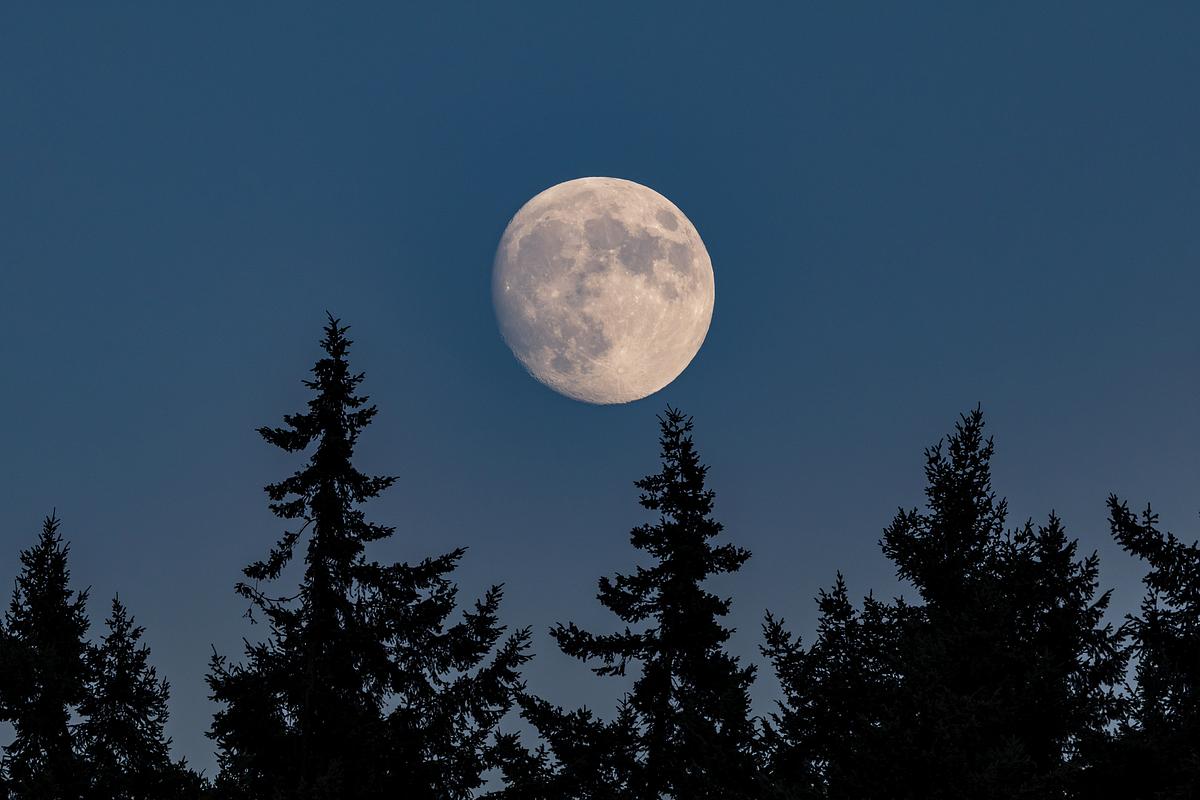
x,y
602,289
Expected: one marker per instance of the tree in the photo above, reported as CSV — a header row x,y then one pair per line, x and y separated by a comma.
x,y
44,673
991,687
582,757
362,689
1156,751
1013,668
121,736
685,730
826,738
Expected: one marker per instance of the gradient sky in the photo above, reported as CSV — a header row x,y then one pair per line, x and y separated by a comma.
x,y
909,211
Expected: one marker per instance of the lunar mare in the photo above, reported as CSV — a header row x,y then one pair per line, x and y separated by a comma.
x,y
602,289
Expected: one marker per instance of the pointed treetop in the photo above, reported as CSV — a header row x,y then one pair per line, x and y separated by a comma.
x,y
937,548
323,493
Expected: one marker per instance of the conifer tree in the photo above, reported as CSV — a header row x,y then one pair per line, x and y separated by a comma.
x,y
10,667
44,674
1012,669
826,739
993,685
121,736
362,688
685,730
1156,752
582,757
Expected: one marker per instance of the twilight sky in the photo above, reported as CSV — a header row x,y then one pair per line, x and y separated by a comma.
x,y
908,212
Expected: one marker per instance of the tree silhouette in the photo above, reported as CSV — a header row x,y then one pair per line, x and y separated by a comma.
x,y
121,736
43,673
1156,751
582,757
362,689
826,739
685,729
990,688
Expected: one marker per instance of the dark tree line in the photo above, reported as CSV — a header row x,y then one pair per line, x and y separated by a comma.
x,y
1001,675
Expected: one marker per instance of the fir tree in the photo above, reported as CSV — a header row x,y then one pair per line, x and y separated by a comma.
x,y
582,757
1012,668
121,736
362,689
1156,752
1064,662
826,738
685,731
990,688
44,674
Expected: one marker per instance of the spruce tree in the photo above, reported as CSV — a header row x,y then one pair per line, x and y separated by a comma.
x,y
825,740
121,736
685,730
991,687
1065,661
581,757
1012,669
1156,751
362,688
10,667
44,674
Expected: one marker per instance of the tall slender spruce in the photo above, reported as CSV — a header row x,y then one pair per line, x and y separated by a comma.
x,y
362,688
685,729
44,674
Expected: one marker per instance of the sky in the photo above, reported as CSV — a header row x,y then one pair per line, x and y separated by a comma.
x,y
910,211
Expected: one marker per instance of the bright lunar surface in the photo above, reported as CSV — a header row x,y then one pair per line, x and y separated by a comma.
x,y
602,289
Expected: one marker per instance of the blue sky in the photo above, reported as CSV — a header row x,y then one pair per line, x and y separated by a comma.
x,y
909,211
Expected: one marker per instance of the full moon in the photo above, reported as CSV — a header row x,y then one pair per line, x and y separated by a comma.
x,y
603,289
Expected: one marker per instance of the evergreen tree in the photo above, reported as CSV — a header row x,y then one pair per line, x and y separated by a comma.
x,y
826,738
685,731
582,757
10,667
990,688
121,735
1156,752
362,689
44,674
1012,669
1065,662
